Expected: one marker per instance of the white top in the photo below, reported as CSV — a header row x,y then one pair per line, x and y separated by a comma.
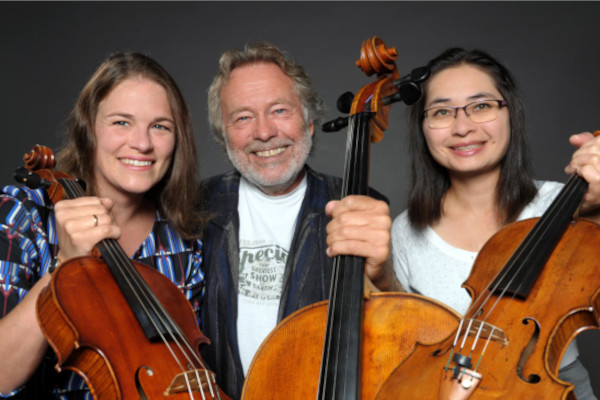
x,y
267,225
428,265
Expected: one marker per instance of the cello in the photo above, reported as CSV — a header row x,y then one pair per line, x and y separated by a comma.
x,y
125,328
535,285
343,348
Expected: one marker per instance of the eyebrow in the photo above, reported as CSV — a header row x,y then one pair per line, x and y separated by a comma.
x,y
161,119
131,116
277,101
119,114
474,97
238,110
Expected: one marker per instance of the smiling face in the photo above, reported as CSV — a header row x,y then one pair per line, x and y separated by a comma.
x,y
267,138
135,138
466,147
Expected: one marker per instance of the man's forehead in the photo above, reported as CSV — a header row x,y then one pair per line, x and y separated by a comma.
x,y
267,72
259,79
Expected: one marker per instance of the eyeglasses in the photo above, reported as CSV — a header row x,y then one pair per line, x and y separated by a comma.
x,y
478,112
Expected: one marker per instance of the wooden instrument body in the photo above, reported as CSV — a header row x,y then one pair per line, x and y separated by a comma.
x,y
98,315
563,302
344,348
93,331
294,348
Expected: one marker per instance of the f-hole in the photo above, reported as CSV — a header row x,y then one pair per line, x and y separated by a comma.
x,y
440,351
138,385
526,353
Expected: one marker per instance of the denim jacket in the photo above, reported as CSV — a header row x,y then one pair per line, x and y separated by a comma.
x,y
306,278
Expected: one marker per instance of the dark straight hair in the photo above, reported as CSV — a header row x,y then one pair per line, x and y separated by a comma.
x,y
430,181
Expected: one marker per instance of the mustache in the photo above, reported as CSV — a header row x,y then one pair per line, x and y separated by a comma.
x,y
270,144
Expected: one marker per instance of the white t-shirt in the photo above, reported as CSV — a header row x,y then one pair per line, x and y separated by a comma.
x,y
267,226
428,265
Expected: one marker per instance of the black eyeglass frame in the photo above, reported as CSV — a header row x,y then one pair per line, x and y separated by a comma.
x,y
501,103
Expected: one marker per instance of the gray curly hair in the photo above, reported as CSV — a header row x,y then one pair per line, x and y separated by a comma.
x,y
261,52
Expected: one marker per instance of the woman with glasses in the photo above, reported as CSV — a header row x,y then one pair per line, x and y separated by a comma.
x,y
470,177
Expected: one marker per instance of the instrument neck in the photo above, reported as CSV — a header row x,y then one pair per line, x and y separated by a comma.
x,y
151,315
356,170
340,371
521,271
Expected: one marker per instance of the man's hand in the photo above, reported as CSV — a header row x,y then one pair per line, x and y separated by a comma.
x,y
360,226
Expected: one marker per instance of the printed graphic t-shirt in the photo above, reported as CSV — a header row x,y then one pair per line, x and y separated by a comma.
x,y
267,226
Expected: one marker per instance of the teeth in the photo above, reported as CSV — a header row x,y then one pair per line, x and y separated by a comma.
x,y
469,147
136,163
270,153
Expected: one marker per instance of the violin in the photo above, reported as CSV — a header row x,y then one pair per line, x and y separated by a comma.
x,y
535,285
125,328
345,347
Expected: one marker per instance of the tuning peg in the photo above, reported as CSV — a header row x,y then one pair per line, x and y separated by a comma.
x,y
419,74
408,92
335,125
344,102
409,88
31,180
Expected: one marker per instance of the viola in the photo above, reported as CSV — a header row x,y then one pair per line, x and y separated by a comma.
x,y
121,325
345,347
535,285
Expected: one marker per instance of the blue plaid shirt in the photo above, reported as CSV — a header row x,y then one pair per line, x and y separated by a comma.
x,y
28,243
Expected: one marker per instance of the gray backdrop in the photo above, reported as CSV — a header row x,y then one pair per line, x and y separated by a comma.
x,y
49,50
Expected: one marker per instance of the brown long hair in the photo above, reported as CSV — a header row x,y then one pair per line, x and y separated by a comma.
x,y
430,181
177,195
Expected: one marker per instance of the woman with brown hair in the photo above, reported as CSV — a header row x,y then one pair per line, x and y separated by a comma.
x,y
130,139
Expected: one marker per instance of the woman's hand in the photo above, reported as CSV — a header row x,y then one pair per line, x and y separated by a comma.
x,y
586,163
82,223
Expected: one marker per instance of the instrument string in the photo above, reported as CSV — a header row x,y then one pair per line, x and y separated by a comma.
x,y
147,300
519,260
